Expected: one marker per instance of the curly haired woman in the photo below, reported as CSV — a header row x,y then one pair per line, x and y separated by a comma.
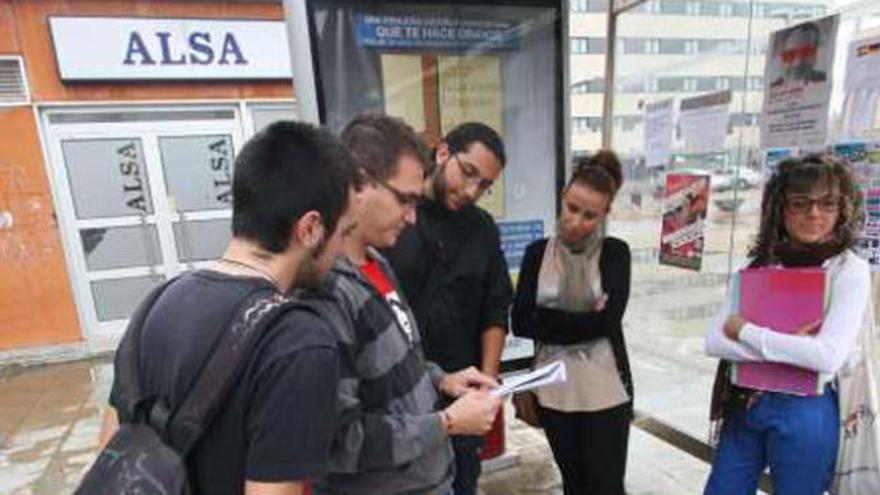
x,y
810,217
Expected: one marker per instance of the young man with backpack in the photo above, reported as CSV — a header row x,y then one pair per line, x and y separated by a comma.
x,y
293,201
391,438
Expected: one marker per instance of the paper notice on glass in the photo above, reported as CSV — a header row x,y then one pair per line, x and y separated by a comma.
x,y
470,90
862,85
798,85
658,132
860,109
403,88
703,121
549,374
863,64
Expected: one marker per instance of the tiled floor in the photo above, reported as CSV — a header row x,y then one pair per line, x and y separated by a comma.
x,y
50,417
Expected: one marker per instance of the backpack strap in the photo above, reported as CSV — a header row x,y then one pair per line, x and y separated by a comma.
x,y
224,366
128,355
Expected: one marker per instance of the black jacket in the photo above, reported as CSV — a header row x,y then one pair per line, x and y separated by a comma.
x,y
556,326
452,271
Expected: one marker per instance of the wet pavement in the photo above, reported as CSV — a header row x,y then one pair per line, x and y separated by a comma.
x,y
50,419
49,422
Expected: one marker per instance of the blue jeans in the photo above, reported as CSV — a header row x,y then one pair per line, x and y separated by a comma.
x,y
795,436
468,465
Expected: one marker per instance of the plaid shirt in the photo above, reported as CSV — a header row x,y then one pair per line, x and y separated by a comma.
x,y
390,439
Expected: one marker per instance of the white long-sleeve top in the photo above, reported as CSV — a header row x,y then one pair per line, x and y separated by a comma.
x,y
824,352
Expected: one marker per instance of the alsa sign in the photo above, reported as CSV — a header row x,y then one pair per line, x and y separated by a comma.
x,y
112,48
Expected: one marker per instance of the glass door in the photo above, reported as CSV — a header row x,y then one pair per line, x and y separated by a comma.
x,y
142,196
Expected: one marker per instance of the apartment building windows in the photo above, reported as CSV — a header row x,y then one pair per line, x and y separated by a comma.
x,y
589,46
586,124
641,46
589,5
671,84
709,8
708,83
674,7
672,47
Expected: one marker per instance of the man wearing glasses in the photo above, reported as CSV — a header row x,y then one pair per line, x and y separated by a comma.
x,y
453,272
390,438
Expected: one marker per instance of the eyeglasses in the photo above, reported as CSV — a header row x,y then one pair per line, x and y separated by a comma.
x,y
804,204
404,199
472,174
804,51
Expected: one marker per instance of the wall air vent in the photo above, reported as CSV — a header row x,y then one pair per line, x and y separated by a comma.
x,y
13,83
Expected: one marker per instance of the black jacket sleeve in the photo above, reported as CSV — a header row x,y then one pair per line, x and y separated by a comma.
x,y
498,289
555,326
522,316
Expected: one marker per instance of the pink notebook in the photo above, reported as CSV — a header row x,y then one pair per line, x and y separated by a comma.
x,y
782,299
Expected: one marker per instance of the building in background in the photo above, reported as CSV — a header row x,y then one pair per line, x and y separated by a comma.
x,y
675,48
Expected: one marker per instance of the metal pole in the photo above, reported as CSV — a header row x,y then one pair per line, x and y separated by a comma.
x,y
299,41
610,58
610,54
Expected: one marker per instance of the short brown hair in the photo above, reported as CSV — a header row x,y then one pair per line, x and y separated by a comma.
x,y
378,141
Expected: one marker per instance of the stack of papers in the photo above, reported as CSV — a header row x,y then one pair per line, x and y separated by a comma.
x,y
548,374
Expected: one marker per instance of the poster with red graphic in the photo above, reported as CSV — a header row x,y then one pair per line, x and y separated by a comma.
x,y
684,217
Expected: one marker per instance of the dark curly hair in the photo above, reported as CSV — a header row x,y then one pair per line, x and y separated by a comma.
x,y
801,175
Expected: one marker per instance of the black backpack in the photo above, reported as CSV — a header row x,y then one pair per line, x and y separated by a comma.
x,y
147,455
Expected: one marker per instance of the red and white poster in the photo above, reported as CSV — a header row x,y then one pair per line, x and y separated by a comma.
x,y
684,218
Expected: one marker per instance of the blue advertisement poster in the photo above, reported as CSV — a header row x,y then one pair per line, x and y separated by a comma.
x,y
446,33
515,237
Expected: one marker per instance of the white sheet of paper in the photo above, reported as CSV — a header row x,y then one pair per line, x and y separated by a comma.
x,y
703,121
863,64
548,374
659,127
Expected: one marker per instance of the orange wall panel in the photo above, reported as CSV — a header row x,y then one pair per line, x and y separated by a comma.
x,y
35,294
7,29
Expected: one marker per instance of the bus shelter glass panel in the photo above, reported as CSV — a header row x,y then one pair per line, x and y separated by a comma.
x,y
687,122
438,65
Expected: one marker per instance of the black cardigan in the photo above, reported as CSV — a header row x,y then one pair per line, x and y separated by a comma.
x,y
556,326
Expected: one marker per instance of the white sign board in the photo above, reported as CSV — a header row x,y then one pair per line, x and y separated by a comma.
x,y
118,49
659,128
703,122
862,96
798,85
863,64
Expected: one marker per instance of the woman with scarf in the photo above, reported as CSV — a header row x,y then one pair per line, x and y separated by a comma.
x,y
572,292
810,217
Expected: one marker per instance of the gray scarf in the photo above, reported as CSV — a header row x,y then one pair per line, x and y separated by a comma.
x,y
570,278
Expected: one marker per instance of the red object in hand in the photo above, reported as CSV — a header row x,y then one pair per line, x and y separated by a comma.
x,y
494,438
